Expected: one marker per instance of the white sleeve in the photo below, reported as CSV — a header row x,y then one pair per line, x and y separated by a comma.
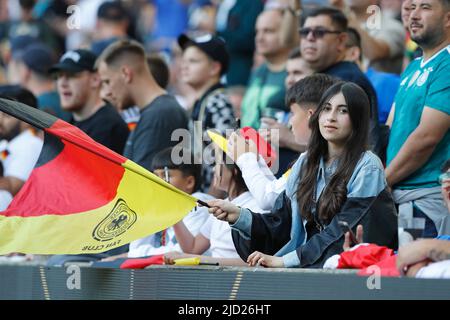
x,y
196,219
205,229
260,181
23,160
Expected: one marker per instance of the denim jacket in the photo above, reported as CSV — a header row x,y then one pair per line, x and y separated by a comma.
x,y
282,233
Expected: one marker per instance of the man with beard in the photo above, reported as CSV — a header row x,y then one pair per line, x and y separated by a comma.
x,y
420,120
78,85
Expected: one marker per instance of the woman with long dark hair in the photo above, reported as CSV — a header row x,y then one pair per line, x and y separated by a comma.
x,y
336,180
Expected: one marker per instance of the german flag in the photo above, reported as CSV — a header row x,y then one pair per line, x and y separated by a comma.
x,y
82,197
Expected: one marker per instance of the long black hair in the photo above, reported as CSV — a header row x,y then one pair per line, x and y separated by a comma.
x,y
335,193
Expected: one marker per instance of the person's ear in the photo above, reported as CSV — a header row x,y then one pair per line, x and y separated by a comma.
x,y
447,20
215,69
190,183
358,54
127,74
25,72
342,40
95,81
310,113
354,54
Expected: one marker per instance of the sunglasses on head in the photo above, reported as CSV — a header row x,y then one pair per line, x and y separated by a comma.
x,y
316,33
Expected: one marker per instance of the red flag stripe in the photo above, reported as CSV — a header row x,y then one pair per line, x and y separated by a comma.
x,y
71,133
76,180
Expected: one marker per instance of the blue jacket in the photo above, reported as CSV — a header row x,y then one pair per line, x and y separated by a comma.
x,y
282,232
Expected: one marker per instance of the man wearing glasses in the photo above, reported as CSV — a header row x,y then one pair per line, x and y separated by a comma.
x,y
323,38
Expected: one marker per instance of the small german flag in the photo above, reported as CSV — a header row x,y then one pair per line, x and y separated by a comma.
x,y
82,197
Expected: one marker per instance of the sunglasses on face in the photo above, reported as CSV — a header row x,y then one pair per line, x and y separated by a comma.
x,y
317,33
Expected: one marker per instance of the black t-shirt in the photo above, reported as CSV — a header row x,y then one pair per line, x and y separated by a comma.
x,y
349,71
107,127
154,130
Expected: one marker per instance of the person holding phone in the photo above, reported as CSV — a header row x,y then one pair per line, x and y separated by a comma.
x,y
336,179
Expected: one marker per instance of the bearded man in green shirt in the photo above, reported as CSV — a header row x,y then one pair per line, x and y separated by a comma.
x,y
419,143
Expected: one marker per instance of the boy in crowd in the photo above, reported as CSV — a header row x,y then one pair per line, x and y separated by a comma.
x,y
205,60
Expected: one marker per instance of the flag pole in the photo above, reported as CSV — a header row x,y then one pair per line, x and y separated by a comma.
x,y
203,203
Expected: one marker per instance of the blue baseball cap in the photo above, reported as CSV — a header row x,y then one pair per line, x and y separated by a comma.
x,y
38,57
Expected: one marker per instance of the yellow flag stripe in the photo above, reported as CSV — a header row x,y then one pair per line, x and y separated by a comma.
x,y
148,202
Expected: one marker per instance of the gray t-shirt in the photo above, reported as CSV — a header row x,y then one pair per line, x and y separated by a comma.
x,y
154,129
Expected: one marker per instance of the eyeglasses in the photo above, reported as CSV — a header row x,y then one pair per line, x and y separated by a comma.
x,y
317,33
443,177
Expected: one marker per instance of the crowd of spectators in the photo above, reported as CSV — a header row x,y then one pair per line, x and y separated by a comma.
x,y
353,94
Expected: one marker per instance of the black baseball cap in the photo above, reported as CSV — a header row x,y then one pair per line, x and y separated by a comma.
x,y
76,61
213,46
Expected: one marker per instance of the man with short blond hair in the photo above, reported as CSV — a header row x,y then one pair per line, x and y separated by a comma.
x,y
127,82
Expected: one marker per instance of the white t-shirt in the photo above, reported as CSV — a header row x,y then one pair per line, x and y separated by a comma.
x,y
22,154
219,232
151,245
260,181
